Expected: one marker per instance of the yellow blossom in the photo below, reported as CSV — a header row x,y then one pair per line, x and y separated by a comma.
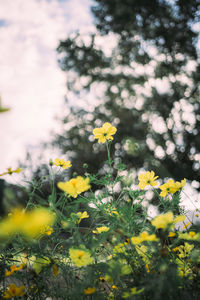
x,y
187,225
147,178
143,237
119,248
181,184
191,236
114,287
75,186
55,270
10,171
168,187
184,250
81,215
104,133
13,269
89,291
62,163
14,291
171,187
30,223
171,234
80,257
47,230
99,230
165,220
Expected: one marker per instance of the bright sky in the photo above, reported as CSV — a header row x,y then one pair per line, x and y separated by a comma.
x,y
31,82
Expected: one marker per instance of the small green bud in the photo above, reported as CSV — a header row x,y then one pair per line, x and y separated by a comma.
x,y
75,174
85,166
51,163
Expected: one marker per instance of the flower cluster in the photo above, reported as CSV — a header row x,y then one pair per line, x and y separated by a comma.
x,y
148,178
119,252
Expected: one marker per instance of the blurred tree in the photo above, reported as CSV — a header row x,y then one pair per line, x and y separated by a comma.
x,y
139,71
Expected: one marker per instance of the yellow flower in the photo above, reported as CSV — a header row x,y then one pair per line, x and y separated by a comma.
x,y
147,178
119,248
55,270
181,184
89,291
165,220
81,215
13,269
185,250
75,186
104,133
171,234
10,171
80,257
37,220
143,237
114,287
187,225
62,163
30,223
171,187
191,236
47,230
14,291
168,187
101,229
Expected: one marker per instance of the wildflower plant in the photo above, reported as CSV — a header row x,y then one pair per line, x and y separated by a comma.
x,y
82,243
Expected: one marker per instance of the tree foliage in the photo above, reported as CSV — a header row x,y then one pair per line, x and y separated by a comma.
x,y
139,70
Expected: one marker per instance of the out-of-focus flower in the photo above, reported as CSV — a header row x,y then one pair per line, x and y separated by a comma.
x,y
104,133
166,220
80,257
55,270
147,178
89,291
14,291
171,234
75,186
144,237
10,171
13,269
187,225
119,248
101,229
190,236
62,163
30,223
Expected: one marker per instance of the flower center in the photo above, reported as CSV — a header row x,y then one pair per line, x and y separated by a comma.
x,y
80,254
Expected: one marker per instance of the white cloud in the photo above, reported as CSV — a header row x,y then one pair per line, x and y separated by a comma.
x,y
31,82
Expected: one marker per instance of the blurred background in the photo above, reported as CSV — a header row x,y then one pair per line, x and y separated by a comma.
x,y
68,66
